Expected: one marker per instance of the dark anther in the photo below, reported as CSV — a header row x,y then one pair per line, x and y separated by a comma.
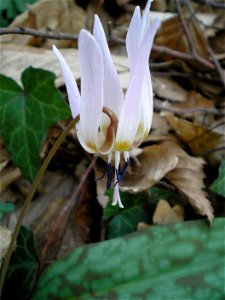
x,y
120,173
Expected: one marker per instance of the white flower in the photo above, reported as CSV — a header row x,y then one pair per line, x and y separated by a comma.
x,y
109,122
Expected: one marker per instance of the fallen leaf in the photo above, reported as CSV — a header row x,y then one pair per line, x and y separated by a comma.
x,y
5,238
142,226
15,58
171,34
168,89
199,138
165,214
46,15
153,163
188,177
8,176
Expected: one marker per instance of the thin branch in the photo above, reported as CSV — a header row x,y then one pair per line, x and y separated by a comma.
x,y
194,53
206,153
210,51
71,202
111,39
39,33
186,29
218,67
179,111
212,4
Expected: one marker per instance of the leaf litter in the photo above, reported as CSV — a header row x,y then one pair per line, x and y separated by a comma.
x,y
182,153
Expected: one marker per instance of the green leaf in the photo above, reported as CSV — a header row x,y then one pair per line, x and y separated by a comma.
x,y
181,261
23,267
26,114
12,8
158,193
218,186
122,221
6,208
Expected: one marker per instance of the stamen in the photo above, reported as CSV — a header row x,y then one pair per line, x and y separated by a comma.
x,y
121,173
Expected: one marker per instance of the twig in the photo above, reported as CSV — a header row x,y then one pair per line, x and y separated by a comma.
x,y
194,53
210,51
222,148
71,202
211,3
217,66
111,39
39,33
186,29
211,111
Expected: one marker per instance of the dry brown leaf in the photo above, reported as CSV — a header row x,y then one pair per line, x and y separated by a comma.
x,y
165,214
142,226
171,34
196,101
49,15
3,164
153,163
8,176
5,238
15,58
169,89
188,177
197,137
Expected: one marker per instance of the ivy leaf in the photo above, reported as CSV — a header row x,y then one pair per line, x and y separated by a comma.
x,y
9,9
180,261
23,267
26,114
6,208
122,221
218,186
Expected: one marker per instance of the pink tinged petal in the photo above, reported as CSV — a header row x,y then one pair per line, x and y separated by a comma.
x,y
132,108
71,85
91,68
146,17
133,38
112,90
147,109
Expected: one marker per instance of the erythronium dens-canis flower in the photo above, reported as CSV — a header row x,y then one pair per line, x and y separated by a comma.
x,y
111,123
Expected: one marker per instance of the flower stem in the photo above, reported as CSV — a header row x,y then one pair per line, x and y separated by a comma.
x,y
30,196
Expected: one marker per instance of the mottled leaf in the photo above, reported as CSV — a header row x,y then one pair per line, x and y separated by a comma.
x,y
218,186
181,261
26,114
22,270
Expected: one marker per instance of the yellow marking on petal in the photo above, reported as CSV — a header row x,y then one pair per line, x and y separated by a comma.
x,y
123,146
92,146
140,129
145,135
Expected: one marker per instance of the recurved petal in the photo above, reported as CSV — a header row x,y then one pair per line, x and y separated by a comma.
x,y
71,85
91,68
112,90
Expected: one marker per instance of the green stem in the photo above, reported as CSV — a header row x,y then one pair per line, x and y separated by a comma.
x,y
30,196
